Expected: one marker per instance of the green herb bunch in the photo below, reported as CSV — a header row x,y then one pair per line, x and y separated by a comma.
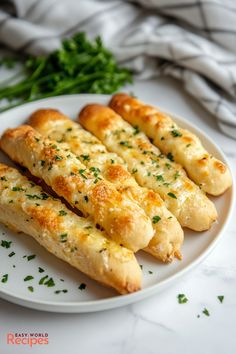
x,y
79,66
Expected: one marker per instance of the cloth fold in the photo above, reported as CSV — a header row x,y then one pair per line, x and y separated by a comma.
x,y
191,40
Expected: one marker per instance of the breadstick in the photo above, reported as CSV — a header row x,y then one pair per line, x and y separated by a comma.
x,y
168,236
25,207
124,221
212,175
150,168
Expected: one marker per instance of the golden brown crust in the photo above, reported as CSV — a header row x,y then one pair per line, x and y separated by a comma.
x,y
168,235
211,174
25,207
83,188
151,168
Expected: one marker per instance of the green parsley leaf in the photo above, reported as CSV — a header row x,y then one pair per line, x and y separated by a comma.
x,y
175,133
126,144
85,157
63,237
31,257
41,270
31,289
11,254
82,286
136,130
4,278
170,156
220,298
182,299
155,219
29,277
6,244
81,172
50,283
206,312
172,195
62,213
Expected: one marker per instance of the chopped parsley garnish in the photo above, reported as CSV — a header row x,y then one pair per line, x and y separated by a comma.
x,y
176,175
6,244
220,298
62,213
86,198
42,280
41,270
58,158
149,174
136,130
82,286
29,277
95,171
32,256
150,272
11,254
65,291
63,237
176,133
3,178
81,172
134,170
162,138
206,312
50,282
170,156
168,166
42,162
126,144
57,292
182,299
112,161
159,178
69,129
188,145
155,219
172,195
85,157
31,289
17,189
10,201
4,278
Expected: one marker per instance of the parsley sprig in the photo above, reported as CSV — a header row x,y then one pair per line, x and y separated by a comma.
x,y
78,66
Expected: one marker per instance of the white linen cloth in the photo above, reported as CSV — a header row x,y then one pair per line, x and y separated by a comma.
x,y
192,40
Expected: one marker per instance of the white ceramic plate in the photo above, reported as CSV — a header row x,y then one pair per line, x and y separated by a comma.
x,y
95,297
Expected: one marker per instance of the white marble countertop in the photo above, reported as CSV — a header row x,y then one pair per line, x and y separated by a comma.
x,y
158,324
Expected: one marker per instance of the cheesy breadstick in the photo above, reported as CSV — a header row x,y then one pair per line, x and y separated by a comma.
x,y
168,236
150,168
209,173
25,207
123,220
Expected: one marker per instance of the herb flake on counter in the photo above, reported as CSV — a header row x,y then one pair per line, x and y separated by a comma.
x,y
12,254
42,280
4,278
31,289
220,298
206,312
28,277
82,286
41,270
32,256
49,283
182,299
6,244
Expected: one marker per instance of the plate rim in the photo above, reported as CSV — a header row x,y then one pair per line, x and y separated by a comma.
x,y
122,300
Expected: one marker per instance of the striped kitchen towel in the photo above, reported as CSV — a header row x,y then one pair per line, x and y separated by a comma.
x,y
192,40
